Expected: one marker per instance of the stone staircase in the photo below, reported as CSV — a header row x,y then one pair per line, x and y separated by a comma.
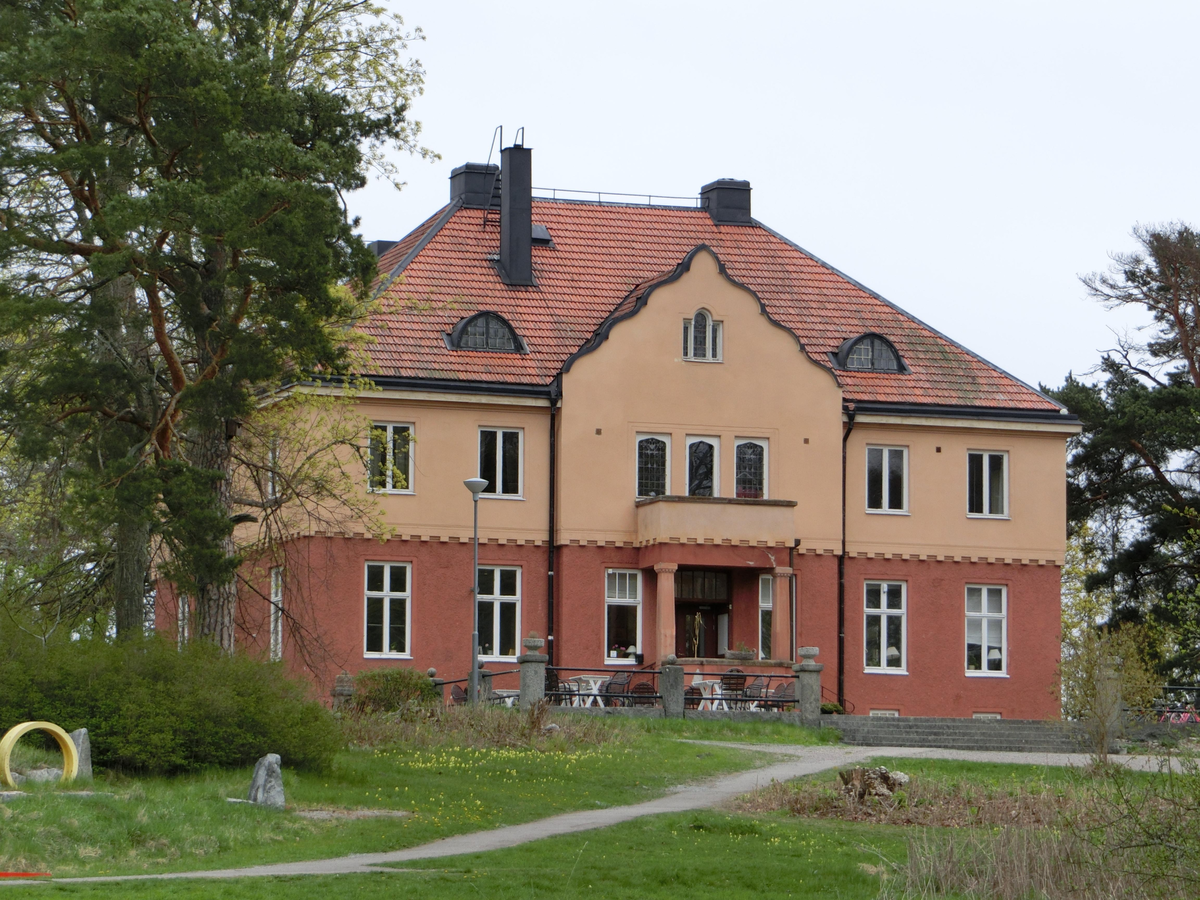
x,y
1020,735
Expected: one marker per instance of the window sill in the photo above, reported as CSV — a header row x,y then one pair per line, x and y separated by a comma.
x,y
701,359
888,512
986,516
973,673
367,654
623,661
885,671
505,659
388,491
501,497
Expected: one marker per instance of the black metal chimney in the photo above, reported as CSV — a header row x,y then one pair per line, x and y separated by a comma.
x,y
516,216
727,200
473,182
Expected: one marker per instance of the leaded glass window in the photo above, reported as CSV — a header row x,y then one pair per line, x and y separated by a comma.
x,y
751,469
652,455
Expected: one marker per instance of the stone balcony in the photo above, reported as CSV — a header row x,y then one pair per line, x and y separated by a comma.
x,y
715,520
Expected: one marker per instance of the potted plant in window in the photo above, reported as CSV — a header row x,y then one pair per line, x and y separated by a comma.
x,y
614,651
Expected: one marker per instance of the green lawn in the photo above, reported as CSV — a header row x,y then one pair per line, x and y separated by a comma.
x,y
697,855
185,823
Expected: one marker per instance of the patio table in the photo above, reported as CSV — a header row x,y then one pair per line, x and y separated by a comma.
x,y
589,690
508,697
712,697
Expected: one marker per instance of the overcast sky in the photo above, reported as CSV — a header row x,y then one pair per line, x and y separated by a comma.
x,y
967,161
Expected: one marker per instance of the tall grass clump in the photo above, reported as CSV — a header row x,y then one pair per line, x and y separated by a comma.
x,y
154,708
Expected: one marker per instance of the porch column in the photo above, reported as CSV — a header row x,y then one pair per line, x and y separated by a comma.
x,y
666,609
781,614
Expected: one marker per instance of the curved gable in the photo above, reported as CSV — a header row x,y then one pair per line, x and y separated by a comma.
x,y
637,299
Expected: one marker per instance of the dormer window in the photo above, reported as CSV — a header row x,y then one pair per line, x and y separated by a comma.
x,y
702,337
869,352
486,331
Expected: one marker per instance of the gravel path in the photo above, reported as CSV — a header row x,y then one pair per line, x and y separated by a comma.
x,y
798,761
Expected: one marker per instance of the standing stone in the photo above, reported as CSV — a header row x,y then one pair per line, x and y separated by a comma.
x,y
670,685
533,671
266,788
83,748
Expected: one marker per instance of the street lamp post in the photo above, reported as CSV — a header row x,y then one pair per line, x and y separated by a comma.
x,y
475,486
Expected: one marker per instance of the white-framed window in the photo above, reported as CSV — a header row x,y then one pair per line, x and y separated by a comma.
x,y
887,479
750,468
653,465
987,629
766,597
702,337
500,461
884,626
391,458
276,614
987,483
273,474
622,616
184,616
704,466
885,713
499,602
388,607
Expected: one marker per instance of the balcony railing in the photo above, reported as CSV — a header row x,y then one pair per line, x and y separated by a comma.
x,y
675,519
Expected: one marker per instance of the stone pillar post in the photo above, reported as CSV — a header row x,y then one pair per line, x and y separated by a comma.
x,y
670,685
533,671
485,685
439,684
666,609
808,684
781,613
343,690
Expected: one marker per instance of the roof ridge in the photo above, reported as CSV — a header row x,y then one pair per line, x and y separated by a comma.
x,y
882,299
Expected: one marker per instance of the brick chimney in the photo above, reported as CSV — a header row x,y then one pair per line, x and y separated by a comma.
x,y
727,200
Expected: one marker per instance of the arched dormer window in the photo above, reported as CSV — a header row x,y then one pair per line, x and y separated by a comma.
x,y
869,352
702,337
486,331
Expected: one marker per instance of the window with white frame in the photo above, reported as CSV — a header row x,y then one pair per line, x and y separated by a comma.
x,y
391,458
653,465
276,614
987,483
704,466
986,629
884,626
500,461
388,606
766,588
499,603
274,478
702,337
750,469
887,477
622,615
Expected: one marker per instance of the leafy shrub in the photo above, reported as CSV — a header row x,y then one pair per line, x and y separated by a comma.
x,y
387,690
151,707
832,708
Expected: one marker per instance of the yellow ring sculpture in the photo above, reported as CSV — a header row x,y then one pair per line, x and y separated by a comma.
x,y
14,734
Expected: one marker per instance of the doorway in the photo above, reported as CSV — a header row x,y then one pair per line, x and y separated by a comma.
x,y
701,613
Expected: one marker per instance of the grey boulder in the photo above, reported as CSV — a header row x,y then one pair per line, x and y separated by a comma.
x,y
266,787
83,748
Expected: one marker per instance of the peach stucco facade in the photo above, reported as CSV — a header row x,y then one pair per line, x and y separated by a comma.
x,y
635,382
697,439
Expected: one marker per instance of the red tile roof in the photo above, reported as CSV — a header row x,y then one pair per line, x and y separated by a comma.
x,y
604,255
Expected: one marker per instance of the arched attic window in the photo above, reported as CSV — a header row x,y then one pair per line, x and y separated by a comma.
x,y
486,331
702,337
869,352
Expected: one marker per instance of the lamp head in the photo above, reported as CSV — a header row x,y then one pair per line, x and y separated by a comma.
x,y
475,486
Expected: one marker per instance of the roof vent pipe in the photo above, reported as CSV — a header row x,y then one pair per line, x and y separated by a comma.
x,y
727,200
516,216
